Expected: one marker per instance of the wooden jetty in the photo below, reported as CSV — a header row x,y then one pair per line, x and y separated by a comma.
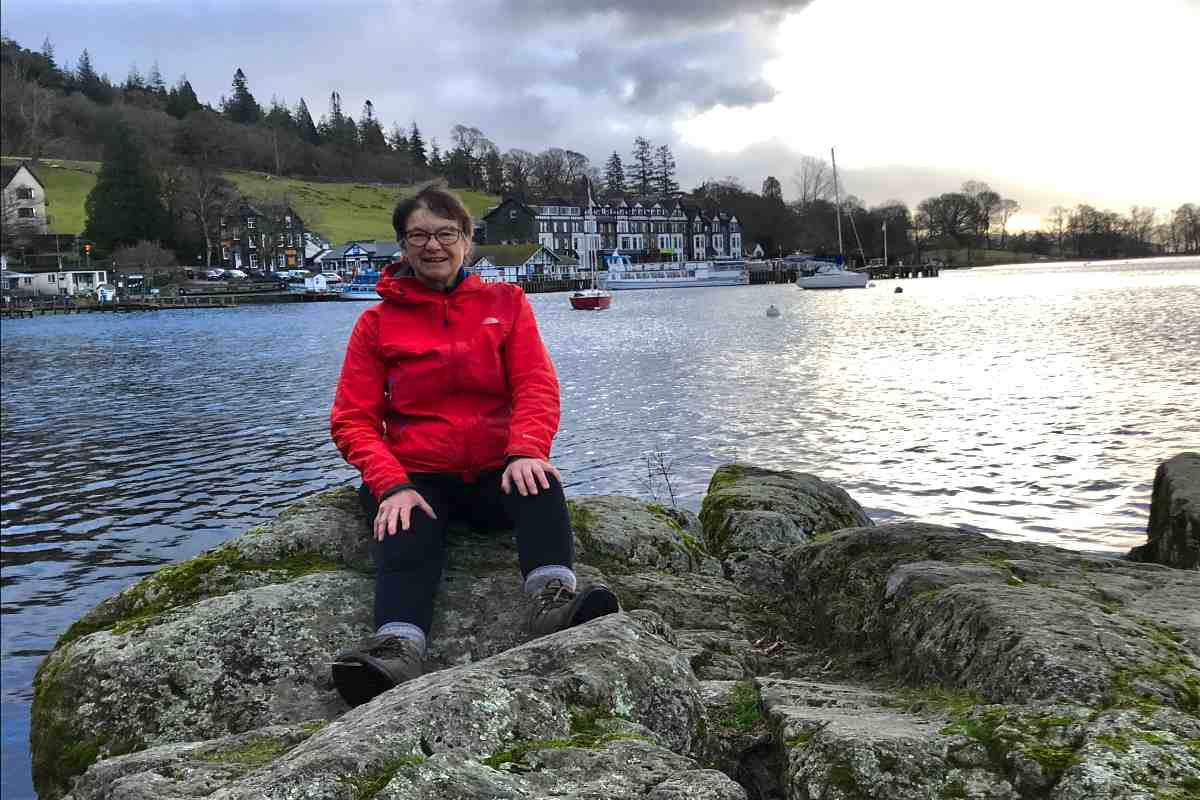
x,y
781,272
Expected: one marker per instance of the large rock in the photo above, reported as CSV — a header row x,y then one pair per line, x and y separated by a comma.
x,y
1173,533
751,515
783,649
1014,622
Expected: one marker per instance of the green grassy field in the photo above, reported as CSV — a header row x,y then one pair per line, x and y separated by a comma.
x,y
338,211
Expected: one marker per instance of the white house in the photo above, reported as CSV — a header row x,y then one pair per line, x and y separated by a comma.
x,y
512,262
24,201
41,282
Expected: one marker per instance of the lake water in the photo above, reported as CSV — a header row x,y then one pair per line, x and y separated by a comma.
x,y
1034,402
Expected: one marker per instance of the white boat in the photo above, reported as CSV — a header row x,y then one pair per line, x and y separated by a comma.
x,y
829,274
624,274
816,274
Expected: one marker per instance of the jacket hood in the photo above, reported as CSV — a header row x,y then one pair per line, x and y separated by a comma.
x,y
398,284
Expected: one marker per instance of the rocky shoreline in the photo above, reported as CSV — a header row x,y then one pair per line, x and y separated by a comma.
x,y
779,645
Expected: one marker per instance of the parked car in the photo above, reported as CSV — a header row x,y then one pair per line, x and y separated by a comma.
x,y
234,274
331,277
214,274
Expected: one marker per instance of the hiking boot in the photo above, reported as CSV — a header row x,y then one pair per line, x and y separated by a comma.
x,y
557,608
375,665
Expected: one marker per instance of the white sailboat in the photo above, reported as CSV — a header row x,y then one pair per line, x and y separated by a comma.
x,y
821,274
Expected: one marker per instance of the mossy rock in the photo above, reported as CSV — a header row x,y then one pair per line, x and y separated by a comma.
x,y
803,504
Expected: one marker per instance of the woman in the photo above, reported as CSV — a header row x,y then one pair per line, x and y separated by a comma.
x,y
447,404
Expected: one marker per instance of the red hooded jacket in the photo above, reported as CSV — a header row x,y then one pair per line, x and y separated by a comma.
x,y
438,381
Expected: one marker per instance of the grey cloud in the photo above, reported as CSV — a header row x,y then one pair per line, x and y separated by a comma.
x,y
653,18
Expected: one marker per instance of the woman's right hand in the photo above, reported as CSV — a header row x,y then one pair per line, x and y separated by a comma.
x,y
399,507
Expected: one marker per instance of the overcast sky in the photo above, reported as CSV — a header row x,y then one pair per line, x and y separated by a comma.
x,y
1049,101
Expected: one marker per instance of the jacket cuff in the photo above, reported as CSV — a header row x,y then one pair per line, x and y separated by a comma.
x,y
399,487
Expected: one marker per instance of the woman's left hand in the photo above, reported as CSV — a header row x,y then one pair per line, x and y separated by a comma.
x,y
527,474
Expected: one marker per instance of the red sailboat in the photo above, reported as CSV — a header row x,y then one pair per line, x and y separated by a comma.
x,y
594,298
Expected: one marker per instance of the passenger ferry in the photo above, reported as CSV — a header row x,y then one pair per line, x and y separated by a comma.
x,y
624,274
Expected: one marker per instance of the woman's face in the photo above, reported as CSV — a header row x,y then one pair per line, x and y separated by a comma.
x,y
434,263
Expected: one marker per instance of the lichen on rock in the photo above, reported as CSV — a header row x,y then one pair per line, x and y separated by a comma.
x,y
780,645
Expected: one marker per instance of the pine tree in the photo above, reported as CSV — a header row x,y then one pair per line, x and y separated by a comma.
x,y
125,206
614,175
664,171
51,76
182,100
493,171
90,83
336,128
641,177
369,130
154,81
435,158
416,147
278,116
305,125
135,79
242,107
398,141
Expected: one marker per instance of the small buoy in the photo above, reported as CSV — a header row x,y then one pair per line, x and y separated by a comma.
x,y
899,290
772,311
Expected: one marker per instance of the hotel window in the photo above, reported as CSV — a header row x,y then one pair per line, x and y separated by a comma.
x,y
249,222
254,260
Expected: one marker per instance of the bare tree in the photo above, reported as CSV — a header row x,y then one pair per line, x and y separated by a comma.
x,y
1056,224
1008,207
813,181
518,171
27,105
206,198
550,171
1139,225
987,203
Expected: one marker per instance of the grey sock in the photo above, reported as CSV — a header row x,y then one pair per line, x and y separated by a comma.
x,y
405,630
537,579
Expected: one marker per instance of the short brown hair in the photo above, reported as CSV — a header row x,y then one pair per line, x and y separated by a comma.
x,y
436,198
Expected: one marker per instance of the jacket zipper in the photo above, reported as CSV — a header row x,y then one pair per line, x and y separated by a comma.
x,y
464,440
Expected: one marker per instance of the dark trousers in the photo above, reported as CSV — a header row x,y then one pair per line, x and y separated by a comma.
x,y
408,566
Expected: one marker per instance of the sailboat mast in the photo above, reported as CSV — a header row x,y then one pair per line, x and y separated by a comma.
x,y
837,198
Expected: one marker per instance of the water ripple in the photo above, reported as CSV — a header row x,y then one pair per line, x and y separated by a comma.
x,y
1033,402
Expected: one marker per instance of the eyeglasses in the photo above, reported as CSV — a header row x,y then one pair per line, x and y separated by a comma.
x,y
445,237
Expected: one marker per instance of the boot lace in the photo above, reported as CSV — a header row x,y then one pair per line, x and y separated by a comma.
x,y
554,595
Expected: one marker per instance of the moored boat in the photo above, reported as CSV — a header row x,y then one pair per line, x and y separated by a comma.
x,y
818,273
624,274
362,286
591,300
